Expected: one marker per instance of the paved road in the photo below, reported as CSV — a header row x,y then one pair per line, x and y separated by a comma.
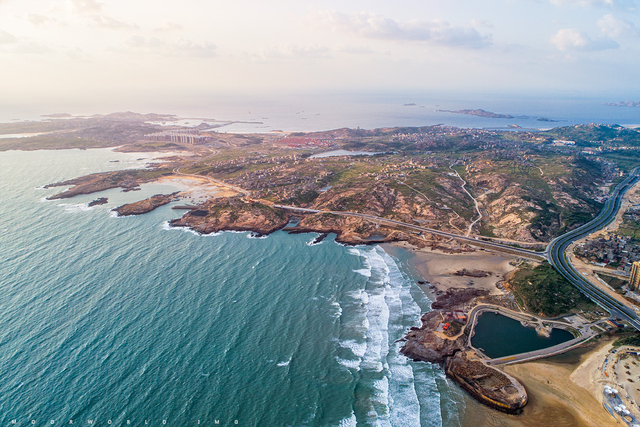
x,y
556,253
497,246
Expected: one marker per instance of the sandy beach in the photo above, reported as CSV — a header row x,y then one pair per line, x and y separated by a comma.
x,y
196,190
556,394
438,268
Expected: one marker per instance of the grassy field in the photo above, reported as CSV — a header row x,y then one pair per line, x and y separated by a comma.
x,y
543,291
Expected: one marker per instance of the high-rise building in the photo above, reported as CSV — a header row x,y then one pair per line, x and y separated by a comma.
x,y
634,280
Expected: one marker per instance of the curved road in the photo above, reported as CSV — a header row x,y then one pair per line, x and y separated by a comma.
x,y
556,252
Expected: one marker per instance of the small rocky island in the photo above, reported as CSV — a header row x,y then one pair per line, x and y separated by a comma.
x,y
99,201
479,113
146,205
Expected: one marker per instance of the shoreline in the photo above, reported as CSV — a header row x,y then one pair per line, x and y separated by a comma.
x,y
558,392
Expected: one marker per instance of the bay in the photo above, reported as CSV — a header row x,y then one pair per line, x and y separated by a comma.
x,y
115,319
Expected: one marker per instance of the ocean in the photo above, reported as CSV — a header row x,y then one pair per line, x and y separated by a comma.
x,y
325,111
115,320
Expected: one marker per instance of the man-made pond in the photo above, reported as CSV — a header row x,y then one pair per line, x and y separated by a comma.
x,y
498,336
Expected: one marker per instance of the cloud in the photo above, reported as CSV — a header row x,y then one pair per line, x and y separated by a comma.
x,y
613,28
7,38
612,4
91,11
481,23
373,26
296,50
12,44
169,26
572,39
87,6
38,20
356,50
180,47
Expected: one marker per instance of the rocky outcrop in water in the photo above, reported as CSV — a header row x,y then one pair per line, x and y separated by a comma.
x,y
433,343
146,205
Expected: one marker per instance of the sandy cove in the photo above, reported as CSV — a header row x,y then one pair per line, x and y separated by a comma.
x,y
438,267
195,190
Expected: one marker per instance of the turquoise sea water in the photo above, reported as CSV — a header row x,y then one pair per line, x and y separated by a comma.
x,y
115,319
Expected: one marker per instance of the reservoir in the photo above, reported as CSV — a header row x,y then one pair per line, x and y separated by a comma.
x,y
498,336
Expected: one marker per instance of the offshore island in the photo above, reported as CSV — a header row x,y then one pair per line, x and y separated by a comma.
x,y
479,210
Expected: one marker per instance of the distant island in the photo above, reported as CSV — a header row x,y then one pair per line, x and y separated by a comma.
x,y
623,104
483,113
411,104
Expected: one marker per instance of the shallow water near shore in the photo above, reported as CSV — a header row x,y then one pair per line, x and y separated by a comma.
x,y
123,319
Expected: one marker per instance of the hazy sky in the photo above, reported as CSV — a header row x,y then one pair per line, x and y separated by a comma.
x,y
68,49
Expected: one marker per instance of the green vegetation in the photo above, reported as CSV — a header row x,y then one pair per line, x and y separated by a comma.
x,y
590,135
629,340
615,282
542,290
630,228
302,198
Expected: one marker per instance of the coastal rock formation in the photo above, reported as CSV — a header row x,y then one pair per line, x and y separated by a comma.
x,y
426,346
99,201
480,113
485,383
233,214
146,205
472,273
127,179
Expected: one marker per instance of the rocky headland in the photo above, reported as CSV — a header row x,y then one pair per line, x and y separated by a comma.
x,y
448,347
146,205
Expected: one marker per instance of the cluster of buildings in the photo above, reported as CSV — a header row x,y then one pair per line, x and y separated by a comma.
x,y
299,142
613,251
183,136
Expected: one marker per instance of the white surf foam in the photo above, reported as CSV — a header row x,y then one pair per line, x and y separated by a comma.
x,y
286,363
338,309
80,207
251,235
357,348
349,422
387,301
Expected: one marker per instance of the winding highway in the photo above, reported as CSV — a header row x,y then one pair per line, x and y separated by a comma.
x,y
556,253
